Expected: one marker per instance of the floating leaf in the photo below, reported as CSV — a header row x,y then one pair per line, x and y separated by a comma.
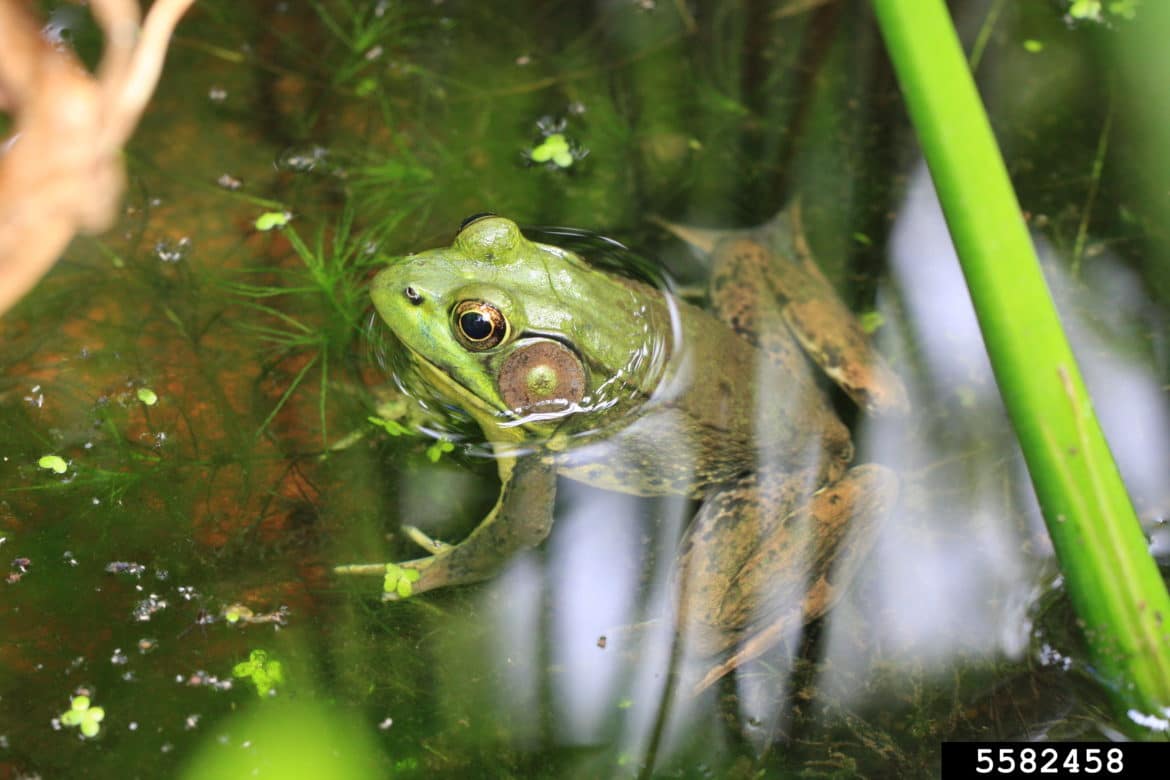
x,y
554,148
436,450
90,722
1085,9
272,219
265,674
400,580
54,463
871,321
365,87
83,716
391,427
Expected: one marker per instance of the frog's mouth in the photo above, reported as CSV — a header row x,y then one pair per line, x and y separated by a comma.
x,y
498,423
446,386
415,375
420,377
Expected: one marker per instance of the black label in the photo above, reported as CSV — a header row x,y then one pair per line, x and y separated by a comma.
x,y
1055,760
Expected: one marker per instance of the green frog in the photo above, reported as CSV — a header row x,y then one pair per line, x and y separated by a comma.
x,y
571,370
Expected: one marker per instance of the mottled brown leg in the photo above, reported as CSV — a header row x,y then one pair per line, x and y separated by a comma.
x,y
754,568
741,296
825,327
773,263
716,584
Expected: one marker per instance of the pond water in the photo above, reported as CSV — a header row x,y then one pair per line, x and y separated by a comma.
x,y
195,374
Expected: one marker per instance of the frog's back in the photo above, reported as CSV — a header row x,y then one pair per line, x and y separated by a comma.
x,y
722,408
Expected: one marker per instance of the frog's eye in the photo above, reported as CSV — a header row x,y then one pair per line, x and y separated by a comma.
x,y
479,325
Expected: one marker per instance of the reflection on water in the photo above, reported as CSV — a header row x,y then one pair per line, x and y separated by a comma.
x,y
953,572
957,573
594,607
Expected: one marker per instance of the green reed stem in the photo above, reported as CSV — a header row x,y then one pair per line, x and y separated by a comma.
x,y
1113,582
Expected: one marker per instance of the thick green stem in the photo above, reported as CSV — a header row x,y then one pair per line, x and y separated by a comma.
x,y
1113,582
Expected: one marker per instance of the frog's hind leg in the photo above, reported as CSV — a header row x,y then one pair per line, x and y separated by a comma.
x,y
774,262
739,291
742,286
738,286
825,327
719,579
793,572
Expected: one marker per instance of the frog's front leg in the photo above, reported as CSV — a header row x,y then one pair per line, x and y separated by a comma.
x,y
760,560
521,518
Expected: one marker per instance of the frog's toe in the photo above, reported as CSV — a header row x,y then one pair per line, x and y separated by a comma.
x,y
359,568
431,545
702,239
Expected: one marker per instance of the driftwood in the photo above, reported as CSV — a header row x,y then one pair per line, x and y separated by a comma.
x,y
61,169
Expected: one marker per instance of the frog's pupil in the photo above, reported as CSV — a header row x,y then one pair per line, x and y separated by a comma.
x,y
475,326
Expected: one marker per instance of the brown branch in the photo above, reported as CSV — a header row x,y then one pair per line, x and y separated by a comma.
x,y
61,169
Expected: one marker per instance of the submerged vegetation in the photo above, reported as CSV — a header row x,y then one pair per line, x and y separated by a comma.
x,y
310,312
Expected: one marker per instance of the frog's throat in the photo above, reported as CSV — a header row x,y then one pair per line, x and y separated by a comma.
x,y
487,416
450,387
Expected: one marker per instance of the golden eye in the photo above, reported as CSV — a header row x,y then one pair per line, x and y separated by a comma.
x,y
479,325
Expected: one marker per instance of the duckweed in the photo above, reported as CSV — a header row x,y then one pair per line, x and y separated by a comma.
x,y
555,149
84,716
54,463
267,675
399,580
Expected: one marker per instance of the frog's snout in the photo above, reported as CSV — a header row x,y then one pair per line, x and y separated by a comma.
x,y
413,296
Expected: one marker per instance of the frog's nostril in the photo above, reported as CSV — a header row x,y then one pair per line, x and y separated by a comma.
x,y
413,295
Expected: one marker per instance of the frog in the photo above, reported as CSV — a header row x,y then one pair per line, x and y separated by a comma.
x,y
571,370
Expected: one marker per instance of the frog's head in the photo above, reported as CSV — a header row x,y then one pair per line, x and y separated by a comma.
x,y
506,328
